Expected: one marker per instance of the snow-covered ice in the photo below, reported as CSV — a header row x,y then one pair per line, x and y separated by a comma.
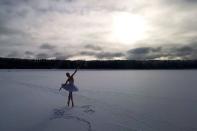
x,y
108,100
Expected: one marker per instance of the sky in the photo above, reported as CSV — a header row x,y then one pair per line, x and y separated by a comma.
x,y
98,29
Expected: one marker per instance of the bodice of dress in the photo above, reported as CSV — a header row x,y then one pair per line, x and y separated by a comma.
x,y
71,80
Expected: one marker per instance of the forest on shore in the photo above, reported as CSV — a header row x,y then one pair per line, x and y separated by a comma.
x,y
16,63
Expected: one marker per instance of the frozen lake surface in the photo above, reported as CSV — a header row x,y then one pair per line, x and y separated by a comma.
x,y
108,100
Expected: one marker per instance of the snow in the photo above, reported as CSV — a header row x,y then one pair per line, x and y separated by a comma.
x,y
108,100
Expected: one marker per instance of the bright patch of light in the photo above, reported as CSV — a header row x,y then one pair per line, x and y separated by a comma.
x,y
128,28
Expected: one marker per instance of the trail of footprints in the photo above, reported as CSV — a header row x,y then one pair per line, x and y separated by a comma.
x,y
88,109
65,113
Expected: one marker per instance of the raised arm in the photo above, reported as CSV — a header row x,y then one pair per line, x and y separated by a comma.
x,y
74,72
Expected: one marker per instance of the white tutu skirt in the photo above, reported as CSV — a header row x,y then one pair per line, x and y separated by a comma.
x,y
70,87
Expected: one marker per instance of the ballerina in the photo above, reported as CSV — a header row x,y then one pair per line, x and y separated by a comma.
x,y
70,87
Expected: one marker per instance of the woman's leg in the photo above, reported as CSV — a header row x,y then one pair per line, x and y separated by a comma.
x,y
69,97
72,99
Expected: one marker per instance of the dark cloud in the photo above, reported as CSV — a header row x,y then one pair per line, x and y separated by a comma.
x,y
11,2
61,56
167,52
47,46
142,53
37,6
180,6
102,55
56,55
13,54
144,50
181,2
87,53
42,56
29,53
93,47
109,55
185,50
6,30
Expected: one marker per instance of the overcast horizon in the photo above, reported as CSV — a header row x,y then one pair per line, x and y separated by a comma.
x,y
93,29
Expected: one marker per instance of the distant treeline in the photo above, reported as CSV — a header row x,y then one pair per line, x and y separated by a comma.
x,y
14,63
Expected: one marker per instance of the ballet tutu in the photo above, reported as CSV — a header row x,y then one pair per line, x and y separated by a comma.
x,y
70,87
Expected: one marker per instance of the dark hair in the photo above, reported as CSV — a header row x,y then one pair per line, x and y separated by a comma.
x,y
68,74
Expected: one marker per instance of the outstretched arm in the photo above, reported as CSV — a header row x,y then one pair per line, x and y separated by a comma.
x,y
66,81
75,72
63,84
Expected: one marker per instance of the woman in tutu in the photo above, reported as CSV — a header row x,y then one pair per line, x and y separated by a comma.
x,y
70,87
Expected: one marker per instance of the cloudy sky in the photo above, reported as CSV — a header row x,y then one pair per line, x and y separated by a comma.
x,y
98,29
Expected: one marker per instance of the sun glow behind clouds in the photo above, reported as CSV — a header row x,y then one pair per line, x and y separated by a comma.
x,y
128,28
